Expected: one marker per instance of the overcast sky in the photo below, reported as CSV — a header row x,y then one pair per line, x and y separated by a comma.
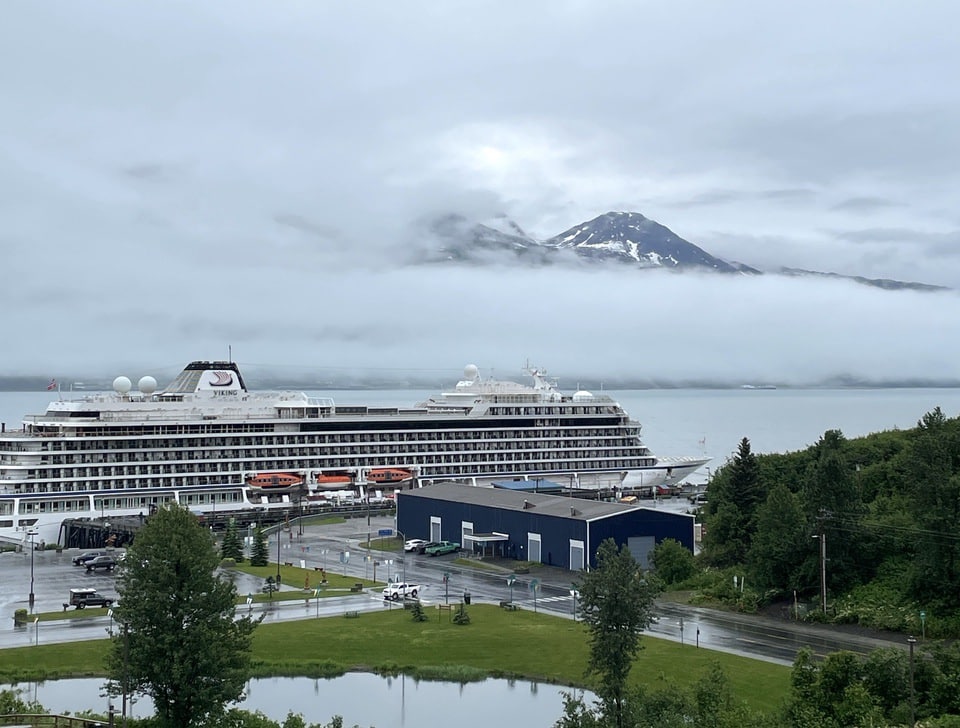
x,y
180,177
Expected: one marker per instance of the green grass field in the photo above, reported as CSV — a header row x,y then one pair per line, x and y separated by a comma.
x,y
496,643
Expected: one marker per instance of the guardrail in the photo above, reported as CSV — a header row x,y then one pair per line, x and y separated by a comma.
x,y
38,720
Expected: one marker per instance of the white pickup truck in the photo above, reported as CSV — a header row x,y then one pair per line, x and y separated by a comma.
x,y
401,590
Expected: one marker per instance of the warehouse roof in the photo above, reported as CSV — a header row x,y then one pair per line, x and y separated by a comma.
x,y
548,505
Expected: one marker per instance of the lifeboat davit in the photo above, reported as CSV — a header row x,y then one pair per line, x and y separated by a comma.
x,y
389,475
274,481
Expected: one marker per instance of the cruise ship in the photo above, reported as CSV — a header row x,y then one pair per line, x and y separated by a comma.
x,y
210,444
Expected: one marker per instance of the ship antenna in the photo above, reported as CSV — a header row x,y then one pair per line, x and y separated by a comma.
x,y
229,352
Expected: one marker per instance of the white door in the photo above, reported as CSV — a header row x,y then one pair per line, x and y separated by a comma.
x,y
577,552
435,529
533,547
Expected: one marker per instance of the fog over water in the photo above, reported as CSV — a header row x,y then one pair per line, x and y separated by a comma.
x,y
181,178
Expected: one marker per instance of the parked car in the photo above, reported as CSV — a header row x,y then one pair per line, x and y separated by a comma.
x,y
83,558
443,547
413,544
106,562
697,498
422,548
81,598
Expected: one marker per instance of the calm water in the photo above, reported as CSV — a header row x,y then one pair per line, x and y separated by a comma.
x,y
695,421
362,699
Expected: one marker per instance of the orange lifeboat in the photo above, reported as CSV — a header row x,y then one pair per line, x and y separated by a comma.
x,y
274,481
389,475
333,480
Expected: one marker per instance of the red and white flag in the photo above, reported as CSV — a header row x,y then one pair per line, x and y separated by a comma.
x,y
52,385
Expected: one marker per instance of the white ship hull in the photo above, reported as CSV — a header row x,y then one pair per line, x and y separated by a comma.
x,y
201,439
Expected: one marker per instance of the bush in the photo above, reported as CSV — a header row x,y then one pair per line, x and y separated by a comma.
x,y
416,612
461,616
673,562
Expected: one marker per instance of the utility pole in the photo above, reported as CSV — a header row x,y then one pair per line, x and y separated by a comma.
x,y
823,569
822,536
911,640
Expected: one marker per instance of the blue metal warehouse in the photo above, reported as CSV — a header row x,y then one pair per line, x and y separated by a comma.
x,y
554,530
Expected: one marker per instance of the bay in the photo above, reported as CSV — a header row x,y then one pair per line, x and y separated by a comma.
x,y
361,698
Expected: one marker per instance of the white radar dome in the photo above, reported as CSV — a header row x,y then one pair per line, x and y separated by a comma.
x,y
582,396
122,385
147,385
470,372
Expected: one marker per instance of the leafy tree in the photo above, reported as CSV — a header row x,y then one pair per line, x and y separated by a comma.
x,y
576,714
673,561
258,554
180,642
11,702
232,546
616,603
886,675
780,542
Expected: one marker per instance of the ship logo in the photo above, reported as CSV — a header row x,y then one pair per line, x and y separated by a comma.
x,y
221,379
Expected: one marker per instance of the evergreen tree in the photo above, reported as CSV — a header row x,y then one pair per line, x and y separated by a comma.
x,y
232,546
616,603
936,510
461,616
258,555
734,498
780,542
416,612
180,642
832,503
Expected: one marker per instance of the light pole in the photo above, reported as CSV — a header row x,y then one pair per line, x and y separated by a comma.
x,y
823,569
403,541
31,534
911,640
278,557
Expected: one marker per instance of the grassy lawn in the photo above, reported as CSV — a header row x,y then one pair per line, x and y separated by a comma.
x,y
305,578
519,644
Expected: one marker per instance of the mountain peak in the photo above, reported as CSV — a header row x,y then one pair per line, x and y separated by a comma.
x,y
632,238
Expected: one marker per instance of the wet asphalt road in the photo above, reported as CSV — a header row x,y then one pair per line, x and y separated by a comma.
x,y
336,548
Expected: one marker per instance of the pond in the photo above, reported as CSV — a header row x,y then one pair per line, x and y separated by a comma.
x,y
361,698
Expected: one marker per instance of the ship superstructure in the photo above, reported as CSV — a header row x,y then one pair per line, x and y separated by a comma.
x,y
211,444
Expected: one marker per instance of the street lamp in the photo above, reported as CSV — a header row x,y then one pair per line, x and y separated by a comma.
x,y
403,542
823,570
278,557
911,640
31,534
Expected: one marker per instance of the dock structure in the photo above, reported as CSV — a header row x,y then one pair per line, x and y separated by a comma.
x,y
120,531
